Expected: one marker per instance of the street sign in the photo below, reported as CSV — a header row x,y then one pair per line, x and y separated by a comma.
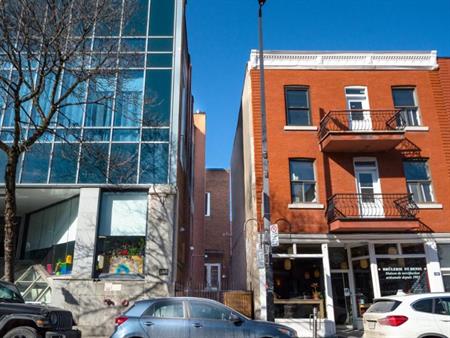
x,y
274,238
260,259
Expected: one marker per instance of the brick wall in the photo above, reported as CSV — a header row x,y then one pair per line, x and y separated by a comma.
x,y
217,225
334,171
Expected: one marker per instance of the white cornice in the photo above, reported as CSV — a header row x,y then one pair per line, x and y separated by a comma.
x,y
426,60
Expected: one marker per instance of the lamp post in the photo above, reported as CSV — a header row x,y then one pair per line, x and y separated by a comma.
x,y
265,201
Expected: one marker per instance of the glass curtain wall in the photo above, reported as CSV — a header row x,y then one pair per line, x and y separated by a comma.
x,y
122,135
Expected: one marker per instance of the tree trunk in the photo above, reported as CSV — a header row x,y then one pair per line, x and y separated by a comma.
x,y
10,214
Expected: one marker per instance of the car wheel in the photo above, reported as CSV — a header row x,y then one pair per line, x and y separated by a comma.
x,y
23,332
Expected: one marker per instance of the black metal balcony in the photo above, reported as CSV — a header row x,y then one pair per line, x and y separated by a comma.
x,y
380,211
361,120
361,130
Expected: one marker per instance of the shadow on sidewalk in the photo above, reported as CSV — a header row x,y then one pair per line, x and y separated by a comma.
x,y
349,333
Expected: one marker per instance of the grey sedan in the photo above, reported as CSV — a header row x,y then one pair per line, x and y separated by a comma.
x,y
185,317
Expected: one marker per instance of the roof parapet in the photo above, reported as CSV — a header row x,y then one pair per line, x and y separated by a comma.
x,y
400,60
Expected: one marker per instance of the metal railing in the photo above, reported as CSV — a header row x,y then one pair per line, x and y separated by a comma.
x,y
361,120
361,206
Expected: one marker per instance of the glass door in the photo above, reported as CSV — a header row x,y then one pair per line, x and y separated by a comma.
x,y
370,201
358,106
212,276
342,298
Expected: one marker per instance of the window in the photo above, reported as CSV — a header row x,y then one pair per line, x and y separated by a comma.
x,y
123,163
397,275
294,279
121,234
154,163
442,306
51,236
383,306
418,180
444,259
161,17
157,99
212,276
303,184
297,106
203,310
129,99
64,163
208,204
166,309
424,305
404,99
35,167
101,93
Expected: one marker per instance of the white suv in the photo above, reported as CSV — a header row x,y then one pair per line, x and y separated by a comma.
x,y
424,315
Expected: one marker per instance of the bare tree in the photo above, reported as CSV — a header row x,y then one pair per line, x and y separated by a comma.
x,y
48,59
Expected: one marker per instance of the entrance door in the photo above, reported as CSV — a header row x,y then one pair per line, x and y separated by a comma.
x,y
358,106
370,200
342,300
212,276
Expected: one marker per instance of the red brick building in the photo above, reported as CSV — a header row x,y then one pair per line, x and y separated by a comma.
x,y
209,252
217,228
359,168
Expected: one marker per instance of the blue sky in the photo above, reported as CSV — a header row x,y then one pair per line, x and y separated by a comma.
x,y
222,33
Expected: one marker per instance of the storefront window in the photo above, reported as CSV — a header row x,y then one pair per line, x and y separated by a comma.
x,y
402,275
444,258
299,286
363,284
338,258
412,248
360,251
283,249
386,249
51,237
121,234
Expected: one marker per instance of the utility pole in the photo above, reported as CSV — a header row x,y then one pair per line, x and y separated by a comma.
x,y
265,201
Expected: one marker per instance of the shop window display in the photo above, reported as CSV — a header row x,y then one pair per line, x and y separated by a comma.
x,y
121,235
299,286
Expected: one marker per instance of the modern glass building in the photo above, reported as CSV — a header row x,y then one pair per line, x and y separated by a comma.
x,y
101,200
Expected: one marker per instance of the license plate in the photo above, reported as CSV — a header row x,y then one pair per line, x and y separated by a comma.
x,y
372,325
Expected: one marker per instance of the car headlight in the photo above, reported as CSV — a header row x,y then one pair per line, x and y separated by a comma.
x,y
288,332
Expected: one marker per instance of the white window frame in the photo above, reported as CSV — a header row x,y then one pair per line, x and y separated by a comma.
x,y
433,197
207,204
416,102
208,268
315,201
364,98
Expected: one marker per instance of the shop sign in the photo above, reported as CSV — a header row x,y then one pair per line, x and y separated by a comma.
x,y
274,238
400,273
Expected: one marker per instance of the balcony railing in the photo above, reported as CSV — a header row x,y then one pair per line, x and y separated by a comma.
x,y
371,206
356,121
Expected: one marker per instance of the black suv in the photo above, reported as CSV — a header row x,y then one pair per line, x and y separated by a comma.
x,y
20,320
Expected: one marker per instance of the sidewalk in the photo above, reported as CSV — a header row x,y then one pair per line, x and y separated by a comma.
x,y
349,333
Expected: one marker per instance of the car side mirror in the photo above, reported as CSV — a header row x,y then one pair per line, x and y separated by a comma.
x,y
235,319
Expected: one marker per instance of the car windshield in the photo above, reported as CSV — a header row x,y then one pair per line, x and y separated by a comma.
x,y
9,293
382,306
